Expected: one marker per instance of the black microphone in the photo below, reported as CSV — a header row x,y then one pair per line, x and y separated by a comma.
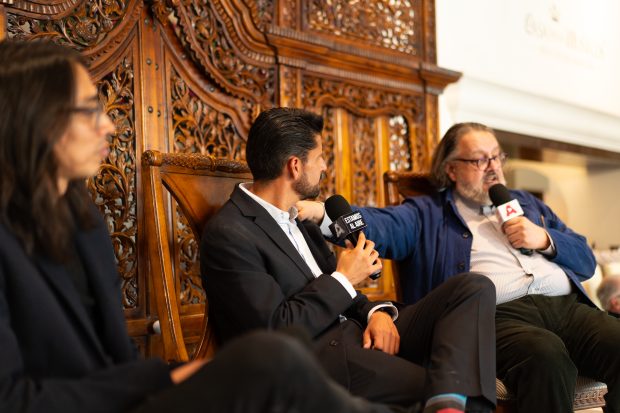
x,y
507,208
346,224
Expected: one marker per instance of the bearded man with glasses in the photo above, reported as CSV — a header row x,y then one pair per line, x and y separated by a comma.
x,y
547,329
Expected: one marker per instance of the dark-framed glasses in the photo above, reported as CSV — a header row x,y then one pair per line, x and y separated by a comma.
x,y
94,112
483,163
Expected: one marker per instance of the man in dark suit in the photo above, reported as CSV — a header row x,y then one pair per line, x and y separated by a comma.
x,y
63,340
263,269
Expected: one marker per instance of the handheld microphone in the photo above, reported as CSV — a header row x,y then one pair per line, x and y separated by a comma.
x,y
346,224
507,208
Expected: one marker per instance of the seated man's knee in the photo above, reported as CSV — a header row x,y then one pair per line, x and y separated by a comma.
x,y
548,357
475,282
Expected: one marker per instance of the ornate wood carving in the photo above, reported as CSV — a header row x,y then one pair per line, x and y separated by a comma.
x,y
390,24
262,13
198,127
188,267
220,46
400,151
48,8
207,68
328,184
114,186
289,86
360,100
363,162
96,28
83,28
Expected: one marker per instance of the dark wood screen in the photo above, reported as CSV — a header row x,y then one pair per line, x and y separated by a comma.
x,y
189,76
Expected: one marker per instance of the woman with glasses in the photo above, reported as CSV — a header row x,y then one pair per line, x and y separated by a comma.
x,y
63,342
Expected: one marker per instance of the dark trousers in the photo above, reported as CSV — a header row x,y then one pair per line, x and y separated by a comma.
x,y
260,373
543,343
447,346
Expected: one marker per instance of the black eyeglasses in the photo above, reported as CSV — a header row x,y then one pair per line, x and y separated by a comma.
x,y
483,163
95,112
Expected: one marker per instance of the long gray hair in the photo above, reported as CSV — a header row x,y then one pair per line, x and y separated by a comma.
x,y
446,149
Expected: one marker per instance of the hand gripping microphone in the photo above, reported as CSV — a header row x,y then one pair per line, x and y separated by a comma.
x,y
346,224
507,207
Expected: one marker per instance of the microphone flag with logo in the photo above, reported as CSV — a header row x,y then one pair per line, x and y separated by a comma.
x,y
507,207
346,224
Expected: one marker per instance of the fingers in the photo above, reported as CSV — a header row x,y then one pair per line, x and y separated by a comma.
x,y
367,341
361,241
521,232
388,342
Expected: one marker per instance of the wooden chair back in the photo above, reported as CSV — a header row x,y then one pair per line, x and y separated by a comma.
x,y
399,185
200,185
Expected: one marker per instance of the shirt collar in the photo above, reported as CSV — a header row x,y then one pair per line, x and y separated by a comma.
x,y
472,207
281,217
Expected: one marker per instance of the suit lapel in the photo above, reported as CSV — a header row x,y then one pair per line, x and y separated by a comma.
x,y
270,227
322,257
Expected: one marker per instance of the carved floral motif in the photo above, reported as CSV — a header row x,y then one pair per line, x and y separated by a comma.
x,y
390,24
363,100
213,41
328,184
200,128
85,27
188,270
363,160
288,86
288,13
400,152
114,186
262,12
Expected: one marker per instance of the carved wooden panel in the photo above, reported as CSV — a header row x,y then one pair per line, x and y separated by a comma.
x,y
114,186
390,24
363,153
400,151
328,184
191,75
200,128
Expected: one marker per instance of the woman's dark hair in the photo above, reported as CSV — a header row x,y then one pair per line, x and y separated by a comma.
x,y
37,93
446,149
276,135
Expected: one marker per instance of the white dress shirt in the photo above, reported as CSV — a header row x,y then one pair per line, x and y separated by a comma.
x,y
513,273
286,221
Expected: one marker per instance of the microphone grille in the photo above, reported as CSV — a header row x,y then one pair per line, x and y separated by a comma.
x,y
337,206
499,194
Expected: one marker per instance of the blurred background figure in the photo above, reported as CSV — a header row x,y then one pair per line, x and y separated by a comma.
x,y
608,294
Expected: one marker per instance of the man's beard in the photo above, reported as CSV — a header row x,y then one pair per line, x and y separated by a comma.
x,y
477,194
305,190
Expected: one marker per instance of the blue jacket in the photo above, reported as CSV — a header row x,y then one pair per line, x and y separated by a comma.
x,y
432,242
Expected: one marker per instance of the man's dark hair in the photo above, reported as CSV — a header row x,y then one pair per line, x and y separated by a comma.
x,y
446,150
37,94
276,135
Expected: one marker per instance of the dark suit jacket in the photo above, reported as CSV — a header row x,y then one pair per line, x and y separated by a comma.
x,y
255,278
52,357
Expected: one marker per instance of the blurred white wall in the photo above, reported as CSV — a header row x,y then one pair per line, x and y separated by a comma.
x,y
545,68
